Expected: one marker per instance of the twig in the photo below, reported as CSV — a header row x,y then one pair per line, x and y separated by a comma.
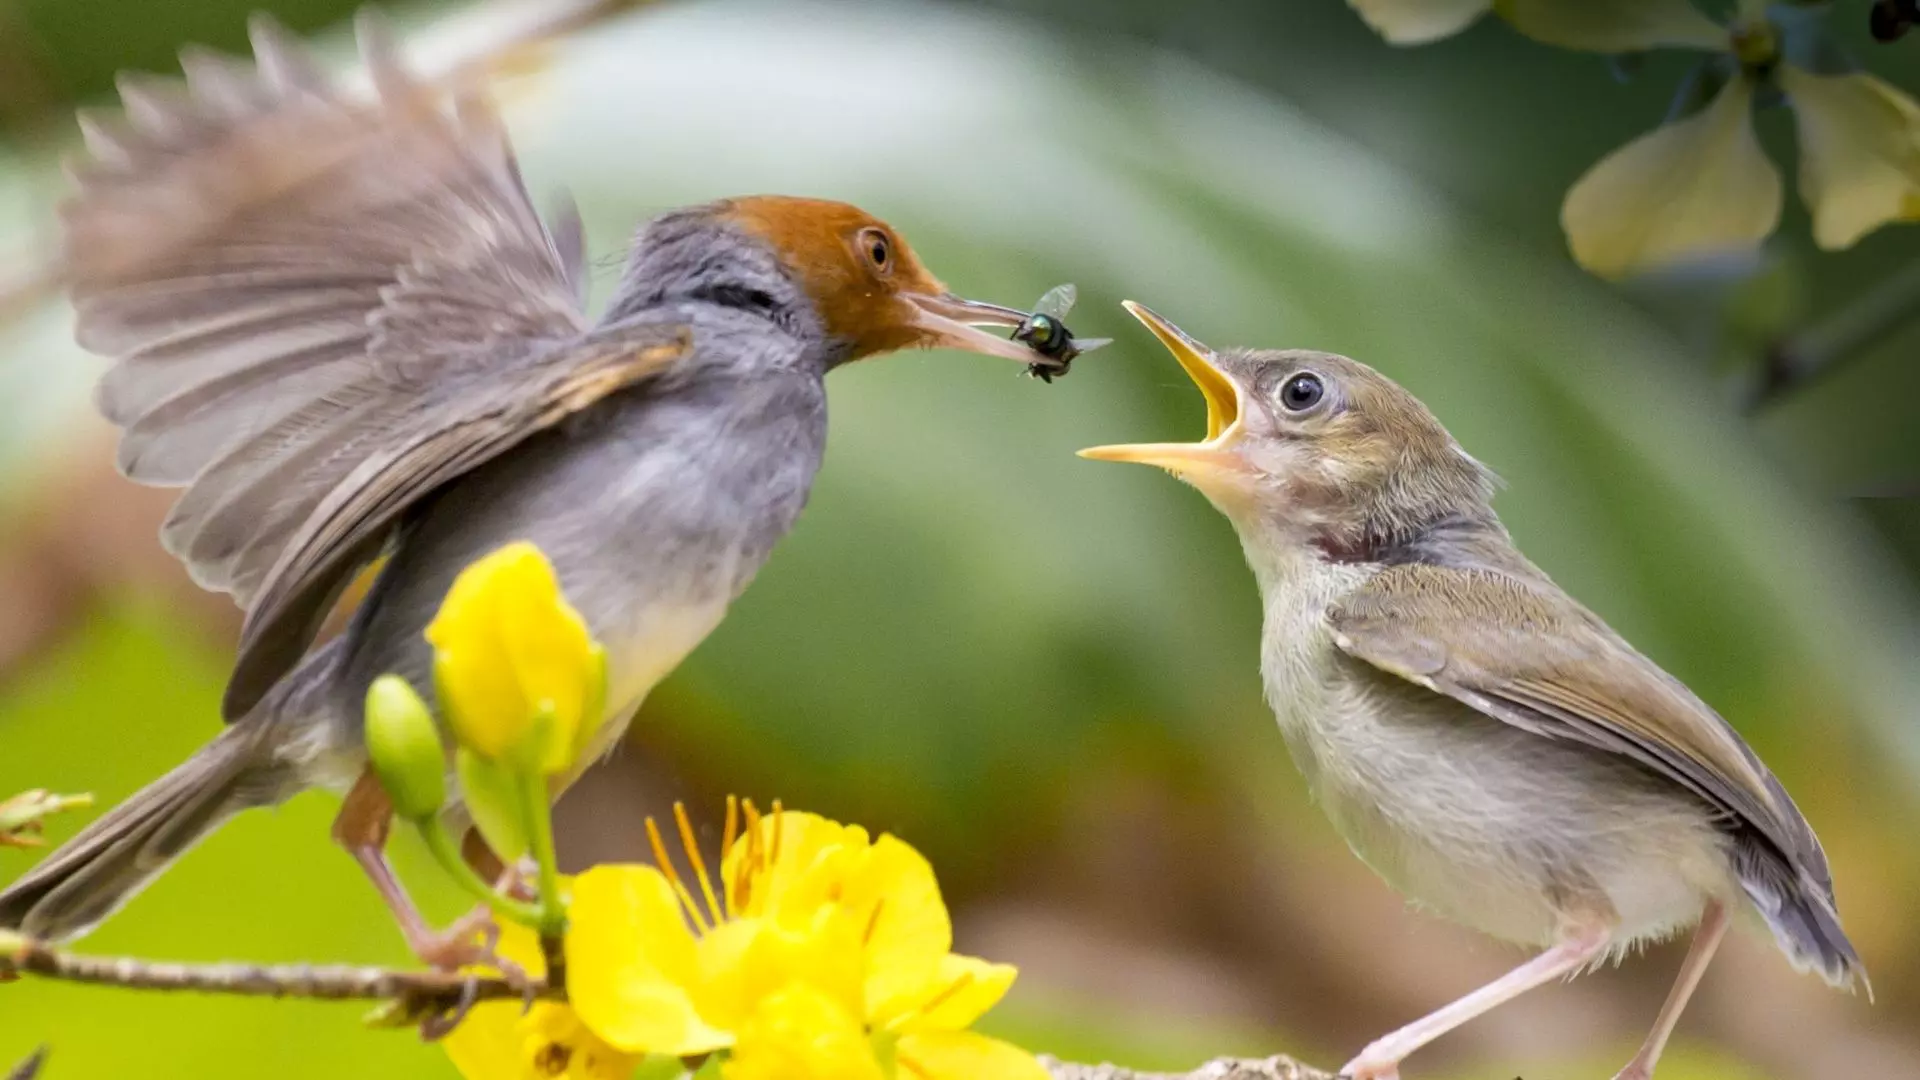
x,y
438,1000
1273,1068
414,995
1794,362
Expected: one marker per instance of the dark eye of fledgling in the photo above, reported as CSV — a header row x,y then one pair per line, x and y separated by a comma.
x,y
1302,392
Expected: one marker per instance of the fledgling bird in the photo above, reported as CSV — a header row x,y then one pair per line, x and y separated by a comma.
x,y
341,326
1481,740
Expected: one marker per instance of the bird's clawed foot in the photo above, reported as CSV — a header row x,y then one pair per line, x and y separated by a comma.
x,y
472,941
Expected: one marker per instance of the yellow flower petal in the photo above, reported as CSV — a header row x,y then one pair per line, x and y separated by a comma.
x,y
1859,153
507,646
893,891
961,991
1695,187
486,1045
1416,22
801,1033
745,961
631,962
1614,26
499,1040
963,1055
519,944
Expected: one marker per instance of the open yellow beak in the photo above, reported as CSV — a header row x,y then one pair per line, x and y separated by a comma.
x,y
1223,408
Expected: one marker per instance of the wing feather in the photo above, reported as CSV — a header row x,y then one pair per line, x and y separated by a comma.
x,y
354,520
1455,631
302,289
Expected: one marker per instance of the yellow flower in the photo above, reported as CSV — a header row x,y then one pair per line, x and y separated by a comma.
x,y
519,677
1691,189
500,1041
1701,185
1859,153
818,948
800,1033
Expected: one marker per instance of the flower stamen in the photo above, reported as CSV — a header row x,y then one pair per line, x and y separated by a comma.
x,y
727,837
688,841
673,878
742,885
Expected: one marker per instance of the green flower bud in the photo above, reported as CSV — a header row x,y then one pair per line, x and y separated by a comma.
x,y
404,744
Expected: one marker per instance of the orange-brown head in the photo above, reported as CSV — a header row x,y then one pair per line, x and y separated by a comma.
x,y
870,291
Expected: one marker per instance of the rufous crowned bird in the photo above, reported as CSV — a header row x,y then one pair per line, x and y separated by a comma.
x,y
338,322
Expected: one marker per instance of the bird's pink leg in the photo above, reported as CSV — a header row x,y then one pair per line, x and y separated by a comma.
x,y
1713,927
365,819
1381,1059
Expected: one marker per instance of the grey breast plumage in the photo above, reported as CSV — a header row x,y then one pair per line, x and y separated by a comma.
x,y
321,308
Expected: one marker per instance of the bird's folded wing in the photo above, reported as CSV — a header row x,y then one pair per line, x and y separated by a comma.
x,y
474,425
1531,657
286,275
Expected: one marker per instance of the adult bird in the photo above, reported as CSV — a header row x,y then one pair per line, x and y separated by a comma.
x,y
338,322
1481,740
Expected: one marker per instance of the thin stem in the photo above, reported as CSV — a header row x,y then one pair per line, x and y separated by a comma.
x,y
447,854
1794,362
553,909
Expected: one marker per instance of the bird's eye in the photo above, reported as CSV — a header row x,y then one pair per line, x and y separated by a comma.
x,y
1302,392
877,248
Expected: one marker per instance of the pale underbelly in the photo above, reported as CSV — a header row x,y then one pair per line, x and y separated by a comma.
x,y
638,662
1512,833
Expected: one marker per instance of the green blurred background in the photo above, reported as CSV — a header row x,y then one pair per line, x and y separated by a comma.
x,y
1042,670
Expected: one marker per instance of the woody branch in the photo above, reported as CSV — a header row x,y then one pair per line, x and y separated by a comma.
x,y
439,998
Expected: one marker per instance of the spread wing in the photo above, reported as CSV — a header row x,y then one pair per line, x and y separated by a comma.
x,y
296,283
1455,631
354,520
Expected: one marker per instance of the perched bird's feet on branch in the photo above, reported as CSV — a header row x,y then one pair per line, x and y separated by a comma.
x,y
472,941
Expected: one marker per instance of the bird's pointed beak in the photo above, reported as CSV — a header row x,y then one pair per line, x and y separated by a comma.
x,y
946,321
1218,452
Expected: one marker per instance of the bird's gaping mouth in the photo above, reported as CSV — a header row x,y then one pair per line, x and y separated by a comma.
x,y
1222,395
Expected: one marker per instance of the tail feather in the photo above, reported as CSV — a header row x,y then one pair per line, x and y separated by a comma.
x,y
109,862
1805,922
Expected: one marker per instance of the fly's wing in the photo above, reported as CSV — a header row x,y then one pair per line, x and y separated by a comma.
x,y
1057,301
1536,660
283,273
